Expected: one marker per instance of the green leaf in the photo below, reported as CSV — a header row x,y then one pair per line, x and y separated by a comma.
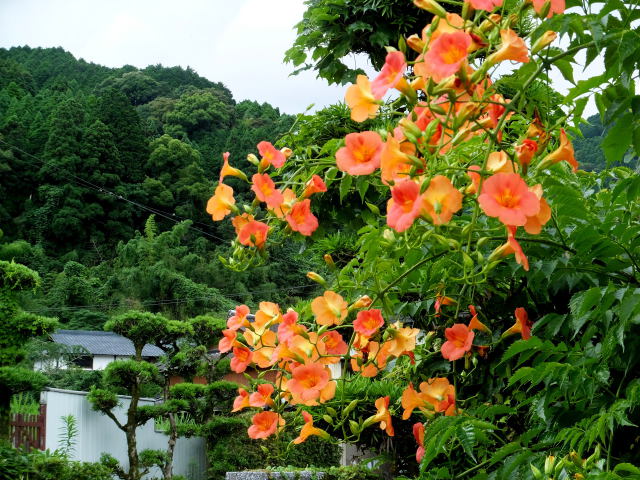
x,y
345,185
618,140
520,346
583,86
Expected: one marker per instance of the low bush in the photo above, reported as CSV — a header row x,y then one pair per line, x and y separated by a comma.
x,y
16,464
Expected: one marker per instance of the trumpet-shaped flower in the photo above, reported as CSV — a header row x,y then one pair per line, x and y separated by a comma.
x,y
221,203
314,185
265,424
311,384
404,206
441,394
391,74
522,326
436,394
383,415
242,357
301,219
289,199
403,339
361,153
239,318
329,309
476,324
395,163
525,151
473,174
269,153
253,234
371,359
447,54
499,162
332,343
507,197
289,326
535,223
262,396
308,429
441,200
228,171
241,401
563,153
368,322
512,48
459,341
361,101
266,190
228,341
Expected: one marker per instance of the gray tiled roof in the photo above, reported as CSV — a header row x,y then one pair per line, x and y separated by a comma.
x,y
102,343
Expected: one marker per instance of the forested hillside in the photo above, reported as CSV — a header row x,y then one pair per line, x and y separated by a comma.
x,y
105,174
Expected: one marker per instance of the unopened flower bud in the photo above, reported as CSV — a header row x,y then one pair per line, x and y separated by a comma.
x,y
316,278
548,464
251,158
415,43
544,11
287,152
546,38
328,259
490,23
363,302
431,6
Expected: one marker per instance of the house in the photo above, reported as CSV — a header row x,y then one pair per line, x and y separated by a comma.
x,y
94,350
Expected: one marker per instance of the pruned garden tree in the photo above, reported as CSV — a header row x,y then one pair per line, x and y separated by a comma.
x,y
17,327
131,377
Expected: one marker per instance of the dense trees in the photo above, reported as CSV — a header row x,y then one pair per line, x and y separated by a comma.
x,y
89,153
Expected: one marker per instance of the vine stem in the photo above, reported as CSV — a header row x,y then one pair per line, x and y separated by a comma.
x,y
406,273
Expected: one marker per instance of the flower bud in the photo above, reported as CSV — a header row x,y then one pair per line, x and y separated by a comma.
x,y
316,278
490,23
544,11
546,38
415,43
548,464
328,259
431,6
251,158
287,152
363,302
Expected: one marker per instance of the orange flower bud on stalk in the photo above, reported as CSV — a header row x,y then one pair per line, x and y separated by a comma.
x,y
431,6
544,40
316,278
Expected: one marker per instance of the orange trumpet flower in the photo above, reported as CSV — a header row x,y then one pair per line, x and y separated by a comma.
x,y
265,424
361,153
361,101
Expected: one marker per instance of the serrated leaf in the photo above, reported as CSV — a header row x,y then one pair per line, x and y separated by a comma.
x,y
618,140
520,346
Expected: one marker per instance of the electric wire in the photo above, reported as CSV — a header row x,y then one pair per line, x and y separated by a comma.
x,y
87,184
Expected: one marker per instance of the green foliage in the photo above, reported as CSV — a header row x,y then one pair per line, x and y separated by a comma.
x,y
38,465
229,449
67,435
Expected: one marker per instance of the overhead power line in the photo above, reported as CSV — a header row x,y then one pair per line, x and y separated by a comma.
x,y
165,302
87,184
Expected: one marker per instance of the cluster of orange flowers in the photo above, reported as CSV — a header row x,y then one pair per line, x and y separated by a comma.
x,y
456,103
303,357
284,205
450,102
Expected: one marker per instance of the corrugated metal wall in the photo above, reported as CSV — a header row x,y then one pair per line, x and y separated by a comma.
x,y
98,434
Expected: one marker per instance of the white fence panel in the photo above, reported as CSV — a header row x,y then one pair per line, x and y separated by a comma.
x,y
97,433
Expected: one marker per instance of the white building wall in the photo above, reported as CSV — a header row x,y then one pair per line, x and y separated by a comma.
x,y
97,433
101,361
